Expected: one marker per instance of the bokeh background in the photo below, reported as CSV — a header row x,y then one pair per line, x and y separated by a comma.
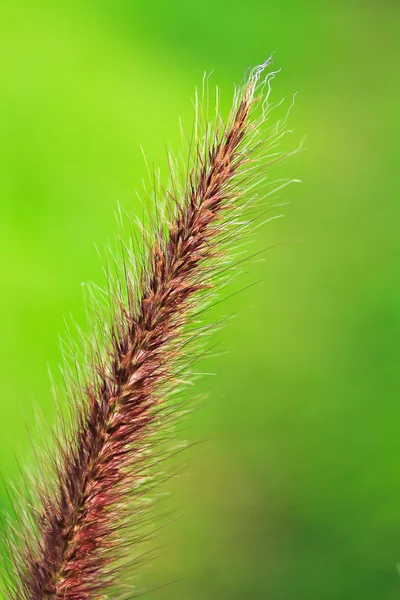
x,y
297,493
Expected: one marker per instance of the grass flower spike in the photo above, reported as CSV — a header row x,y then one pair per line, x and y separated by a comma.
x,y
76,538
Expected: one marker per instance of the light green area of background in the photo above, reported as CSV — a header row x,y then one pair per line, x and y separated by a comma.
x,y
298,494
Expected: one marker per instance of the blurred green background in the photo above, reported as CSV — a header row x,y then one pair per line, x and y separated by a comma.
x,y
298,493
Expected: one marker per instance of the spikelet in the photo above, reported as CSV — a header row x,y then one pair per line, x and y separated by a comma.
x,y
78,539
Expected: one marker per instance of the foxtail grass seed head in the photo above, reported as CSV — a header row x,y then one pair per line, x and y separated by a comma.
x,y
76,537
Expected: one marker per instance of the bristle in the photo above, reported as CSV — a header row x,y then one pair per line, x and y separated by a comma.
x,y
102,467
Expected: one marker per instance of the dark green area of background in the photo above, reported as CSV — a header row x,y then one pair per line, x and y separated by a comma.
x,y
298,495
